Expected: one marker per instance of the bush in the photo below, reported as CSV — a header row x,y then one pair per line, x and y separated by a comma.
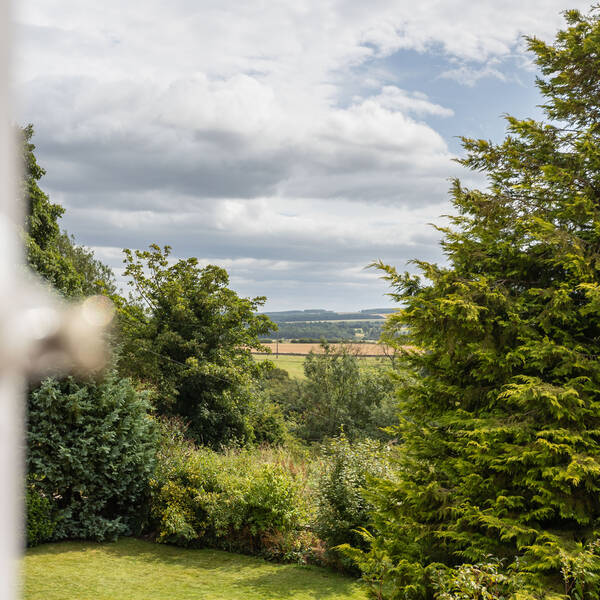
x,y
267,421
38,512
91,448
338,393
341,506
474,582
231,500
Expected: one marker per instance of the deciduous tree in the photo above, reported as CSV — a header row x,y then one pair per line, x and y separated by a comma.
x,y
189,335
71,269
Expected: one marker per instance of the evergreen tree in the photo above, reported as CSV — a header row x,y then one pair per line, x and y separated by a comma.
x,y
91,450
500,427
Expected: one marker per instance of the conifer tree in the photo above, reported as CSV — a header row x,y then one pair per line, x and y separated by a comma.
x,y
500,428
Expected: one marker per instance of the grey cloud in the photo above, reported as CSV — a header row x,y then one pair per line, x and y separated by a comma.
x,y
202,125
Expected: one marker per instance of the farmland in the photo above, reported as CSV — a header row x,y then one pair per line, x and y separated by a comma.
x,y
328,325
294,363
366,349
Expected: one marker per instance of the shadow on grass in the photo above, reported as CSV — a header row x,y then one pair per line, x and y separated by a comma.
x,y
249,576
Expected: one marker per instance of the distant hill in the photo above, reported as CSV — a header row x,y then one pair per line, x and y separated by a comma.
x,y
379,311
318,324
316,314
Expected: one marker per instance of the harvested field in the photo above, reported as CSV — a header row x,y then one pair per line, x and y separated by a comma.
x,y
302,349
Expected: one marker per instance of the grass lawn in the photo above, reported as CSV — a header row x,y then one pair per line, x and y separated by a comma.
x,y
136,570
292,364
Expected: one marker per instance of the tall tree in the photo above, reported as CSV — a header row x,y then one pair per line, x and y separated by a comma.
x,y
500,429
338,395
71,269
189,335
42,229
91,446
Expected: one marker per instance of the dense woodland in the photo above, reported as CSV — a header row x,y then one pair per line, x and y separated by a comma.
x,y
468,469
326,325
329,331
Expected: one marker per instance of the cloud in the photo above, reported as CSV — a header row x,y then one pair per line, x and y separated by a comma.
x,y
252,132
469,75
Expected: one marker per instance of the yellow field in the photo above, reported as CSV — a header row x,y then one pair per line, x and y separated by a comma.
x,y
358,349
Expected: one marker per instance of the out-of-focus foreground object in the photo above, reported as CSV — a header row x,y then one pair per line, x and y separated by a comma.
x,y
11,381
39,334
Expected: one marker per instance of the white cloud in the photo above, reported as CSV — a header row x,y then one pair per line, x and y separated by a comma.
x,y
211,122
469,75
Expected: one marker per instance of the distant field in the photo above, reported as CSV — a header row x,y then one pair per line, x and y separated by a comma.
x,y
294,364
359,349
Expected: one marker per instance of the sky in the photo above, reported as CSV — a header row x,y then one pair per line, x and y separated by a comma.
x,y
292,142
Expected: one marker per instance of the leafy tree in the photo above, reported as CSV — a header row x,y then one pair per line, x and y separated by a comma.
x,y
72,270
341,507
501,425
189,336
95,276
91,449
42,226
338,394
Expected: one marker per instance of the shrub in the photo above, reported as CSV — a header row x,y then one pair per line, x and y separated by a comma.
x,y
475,582
302,547
267,421
338,393
91,448
230,500
38,516
341,505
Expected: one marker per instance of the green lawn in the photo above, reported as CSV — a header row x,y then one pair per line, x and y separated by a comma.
x,y
294,364
135,570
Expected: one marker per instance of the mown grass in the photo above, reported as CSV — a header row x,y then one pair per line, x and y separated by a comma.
x,y
132,569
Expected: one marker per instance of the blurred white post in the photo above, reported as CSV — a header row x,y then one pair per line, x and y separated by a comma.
x,y
11,380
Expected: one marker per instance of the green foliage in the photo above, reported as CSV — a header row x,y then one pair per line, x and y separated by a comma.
x,y
42,226
338,394
38,512
342,508
189,336
267,421
72,270
231,500
96,277
580,571
332,331
91,449
479,582
500,428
